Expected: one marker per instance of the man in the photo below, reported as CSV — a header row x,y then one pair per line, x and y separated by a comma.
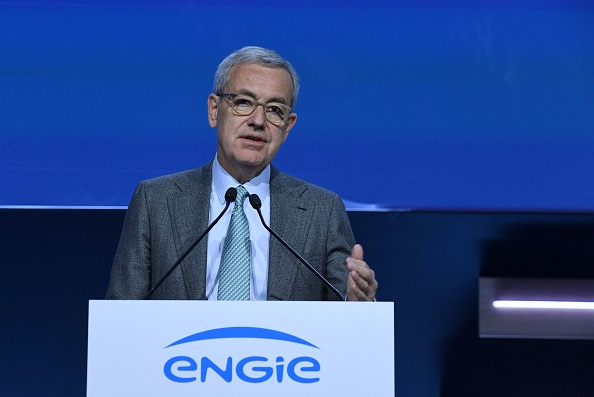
x,y
254,93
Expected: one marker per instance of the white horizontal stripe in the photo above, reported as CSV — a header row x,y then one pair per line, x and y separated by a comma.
x,y
563,305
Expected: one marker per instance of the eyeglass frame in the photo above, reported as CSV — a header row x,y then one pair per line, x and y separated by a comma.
x,y
258,103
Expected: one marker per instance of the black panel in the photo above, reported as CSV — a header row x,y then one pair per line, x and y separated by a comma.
x,y
428,263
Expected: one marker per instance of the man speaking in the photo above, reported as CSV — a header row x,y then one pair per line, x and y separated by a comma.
x,y
238,198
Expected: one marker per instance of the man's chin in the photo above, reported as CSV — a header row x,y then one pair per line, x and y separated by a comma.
x,y
254,167
252,161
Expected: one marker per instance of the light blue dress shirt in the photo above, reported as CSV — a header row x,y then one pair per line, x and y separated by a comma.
x,y
259,236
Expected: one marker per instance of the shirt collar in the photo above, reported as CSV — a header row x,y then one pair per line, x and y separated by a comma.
x,y
222,180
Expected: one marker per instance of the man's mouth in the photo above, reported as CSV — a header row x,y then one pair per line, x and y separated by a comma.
x,y
253,138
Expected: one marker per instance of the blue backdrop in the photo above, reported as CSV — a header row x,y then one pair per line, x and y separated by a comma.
x,y
441,105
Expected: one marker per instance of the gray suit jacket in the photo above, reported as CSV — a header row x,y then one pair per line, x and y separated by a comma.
x,y
166,215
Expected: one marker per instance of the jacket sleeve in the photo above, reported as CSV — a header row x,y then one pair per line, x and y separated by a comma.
x,y
131,270
339,243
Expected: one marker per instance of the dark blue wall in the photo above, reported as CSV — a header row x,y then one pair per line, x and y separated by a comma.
x,y
428,263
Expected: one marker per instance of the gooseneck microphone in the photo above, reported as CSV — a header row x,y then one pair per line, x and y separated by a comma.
x,y
230,196
257,204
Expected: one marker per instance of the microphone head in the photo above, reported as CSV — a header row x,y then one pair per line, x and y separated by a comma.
x,y
230,195
255,201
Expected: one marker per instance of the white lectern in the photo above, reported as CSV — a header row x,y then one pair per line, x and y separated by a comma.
x,y
201,348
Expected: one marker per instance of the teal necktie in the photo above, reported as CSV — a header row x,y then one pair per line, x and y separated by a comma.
x,y
234,279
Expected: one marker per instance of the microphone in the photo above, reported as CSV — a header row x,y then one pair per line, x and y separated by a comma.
x,y
230,196
257,204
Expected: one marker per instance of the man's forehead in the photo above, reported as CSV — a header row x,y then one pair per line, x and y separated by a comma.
x,y
257,65
246,73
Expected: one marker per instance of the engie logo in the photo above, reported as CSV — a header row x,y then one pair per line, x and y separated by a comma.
x,y
247,368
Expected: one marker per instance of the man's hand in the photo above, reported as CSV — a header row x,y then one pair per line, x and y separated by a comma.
x,y
361,283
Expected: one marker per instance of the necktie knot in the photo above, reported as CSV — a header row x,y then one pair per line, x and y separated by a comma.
x,y
241,195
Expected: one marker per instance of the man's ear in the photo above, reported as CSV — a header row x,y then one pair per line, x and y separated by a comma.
x,y
289,124
213,108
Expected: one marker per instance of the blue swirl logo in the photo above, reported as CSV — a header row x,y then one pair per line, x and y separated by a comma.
x,y
242,332
251,369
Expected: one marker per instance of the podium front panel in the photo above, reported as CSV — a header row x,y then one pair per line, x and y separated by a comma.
x,y
191,348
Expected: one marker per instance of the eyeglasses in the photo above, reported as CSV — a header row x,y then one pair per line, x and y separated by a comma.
x,y
244,105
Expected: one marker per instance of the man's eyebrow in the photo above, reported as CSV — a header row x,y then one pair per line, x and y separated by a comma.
x,y
246,92
253,95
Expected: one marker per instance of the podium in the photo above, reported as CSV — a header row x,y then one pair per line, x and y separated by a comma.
x,y
202,348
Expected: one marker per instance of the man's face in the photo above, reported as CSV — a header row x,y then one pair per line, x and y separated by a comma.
x,y
247,144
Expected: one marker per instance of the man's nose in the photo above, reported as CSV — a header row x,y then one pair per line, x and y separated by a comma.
x,y
258,117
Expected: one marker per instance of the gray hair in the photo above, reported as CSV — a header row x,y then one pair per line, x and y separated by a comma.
x,y
253,55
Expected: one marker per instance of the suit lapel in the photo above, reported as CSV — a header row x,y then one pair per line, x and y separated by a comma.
x,y
189,212
286,212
